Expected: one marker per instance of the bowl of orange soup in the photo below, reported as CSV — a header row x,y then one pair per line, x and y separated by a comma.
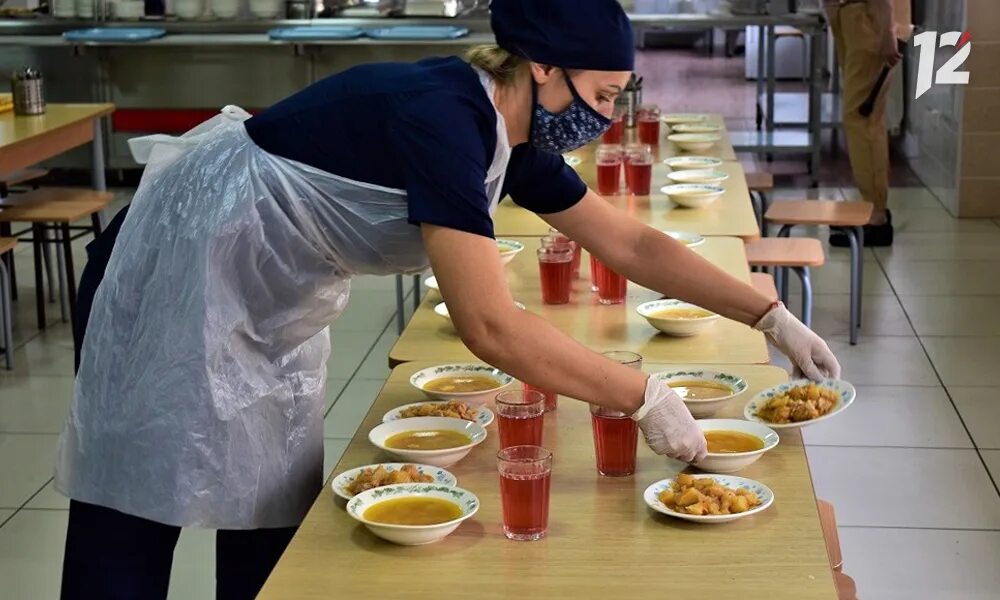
x,y
704,392
435,441
472,383
734,444
413,514
677,318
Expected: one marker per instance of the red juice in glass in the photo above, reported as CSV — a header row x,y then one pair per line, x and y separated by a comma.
x,y
616,133
616,436
555,238
551,398
639,169
520,417
609,176
555,266
525,505
611,286
649,129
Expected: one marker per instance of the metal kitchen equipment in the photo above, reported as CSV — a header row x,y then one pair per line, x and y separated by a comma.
x,y
629,100
28,89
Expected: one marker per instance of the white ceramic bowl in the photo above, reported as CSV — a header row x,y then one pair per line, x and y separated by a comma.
x,y
678,118
189,9
509,249
845,392
694,142
679,163
340,482
675,327
441,309
764,493
431,283
413,535
701,127
731,462
484,416
425,376
225,9
705,408
437,458
698,176
687,238
128,9
693,195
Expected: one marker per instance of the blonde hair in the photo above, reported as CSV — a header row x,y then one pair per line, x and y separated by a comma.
x,y
498,63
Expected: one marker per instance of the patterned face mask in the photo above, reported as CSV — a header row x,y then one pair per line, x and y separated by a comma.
x,y
568,130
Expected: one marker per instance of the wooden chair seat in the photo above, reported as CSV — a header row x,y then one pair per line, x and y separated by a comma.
x,y
21,176
785,252
7,244
760,181
764,283
820,212
57,205
781,31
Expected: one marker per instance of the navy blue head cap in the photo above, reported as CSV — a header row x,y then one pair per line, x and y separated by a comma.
x,y
572,34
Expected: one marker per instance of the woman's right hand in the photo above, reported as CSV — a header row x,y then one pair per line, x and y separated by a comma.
x,y
668,426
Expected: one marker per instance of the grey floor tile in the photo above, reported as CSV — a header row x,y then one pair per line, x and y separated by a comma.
x,y
944,278
333,389
980,409
953,315
376,365
909,564
367,311
333,449
905,487
193,574
965,360
5,513
883,361
937,220
347,414
26,464
49,499
992,458
942,246
34,404
31,553
348,350
881,315
894,416
835,278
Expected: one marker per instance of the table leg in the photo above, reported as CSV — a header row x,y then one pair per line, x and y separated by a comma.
x,y
5,316
67,243
416,293
36,241
807,295
817,47
97,180
760,76
770,78
400,306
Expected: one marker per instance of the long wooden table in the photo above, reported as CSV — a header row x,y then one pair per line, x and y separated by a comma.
x,y
29,140
598,327
730,215
603,541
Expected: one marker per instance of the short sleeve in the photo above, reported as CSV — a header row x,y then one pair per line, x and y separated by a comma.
x,y
542,182
441,141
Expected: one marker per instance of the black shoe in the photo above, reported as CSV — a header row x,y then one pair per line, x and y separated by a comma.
x,y
876,236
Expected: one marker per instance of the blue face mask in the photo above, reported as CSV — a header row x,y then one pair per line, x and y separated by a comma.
x,y
561,132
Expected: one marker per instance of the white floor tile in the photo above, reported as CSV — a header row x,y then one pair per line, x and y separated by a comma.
x,y
905,487
883,360
347,414
193,574
373,283
908,564
333,388
942,246
944,278
333,449
49,499
5,513
376,366
992,458
937,220
980,409
34,404
893,416
347,351
26,464
32,543
835,278
880,315
50,353
965,360
367,311
902,198
953,315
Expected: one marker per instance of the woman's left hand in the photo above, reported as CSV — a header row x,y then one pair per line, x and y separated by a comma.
x,y
808,352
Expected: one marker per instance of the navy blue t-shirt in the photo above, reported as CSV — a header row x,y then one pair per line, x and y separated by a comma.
x,y
428,128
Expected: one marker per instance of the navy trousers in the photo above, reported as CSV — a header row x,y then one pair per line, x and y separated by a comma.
x,y
114,556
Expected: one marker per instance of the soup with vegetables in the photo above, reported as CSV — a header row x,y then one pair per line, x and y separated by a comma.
x,y
462,383
428,439
413,511
730,442
681,313
700,390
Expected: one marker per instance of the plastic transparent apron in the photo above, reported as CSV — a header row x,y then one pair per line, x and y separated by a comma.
x,y
199,400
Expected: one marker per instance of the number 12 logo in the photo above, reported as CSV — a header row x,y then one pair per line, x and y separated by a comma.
x,y
948,73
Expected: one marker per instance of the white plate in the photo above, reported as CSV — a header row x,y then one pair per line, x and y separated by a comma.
x,y
696,127
731,462
677,118
693,162
687,238
845,391
694,142
675,327
484,416
431,283
698,176
438,458
706,408
763,492
693,195
340,482
425,376
509,249
572,161
413,535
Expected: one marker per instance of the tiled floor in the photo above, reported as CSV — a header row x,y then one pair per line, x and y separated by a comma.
x,y
912,468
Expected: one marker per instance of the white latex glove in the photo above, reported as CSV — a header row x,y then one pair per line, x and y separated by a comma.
x,y
808,352
668,425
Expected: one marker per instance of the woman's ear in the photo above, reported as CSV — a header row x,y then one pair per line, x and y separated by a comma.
x,y
541,73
